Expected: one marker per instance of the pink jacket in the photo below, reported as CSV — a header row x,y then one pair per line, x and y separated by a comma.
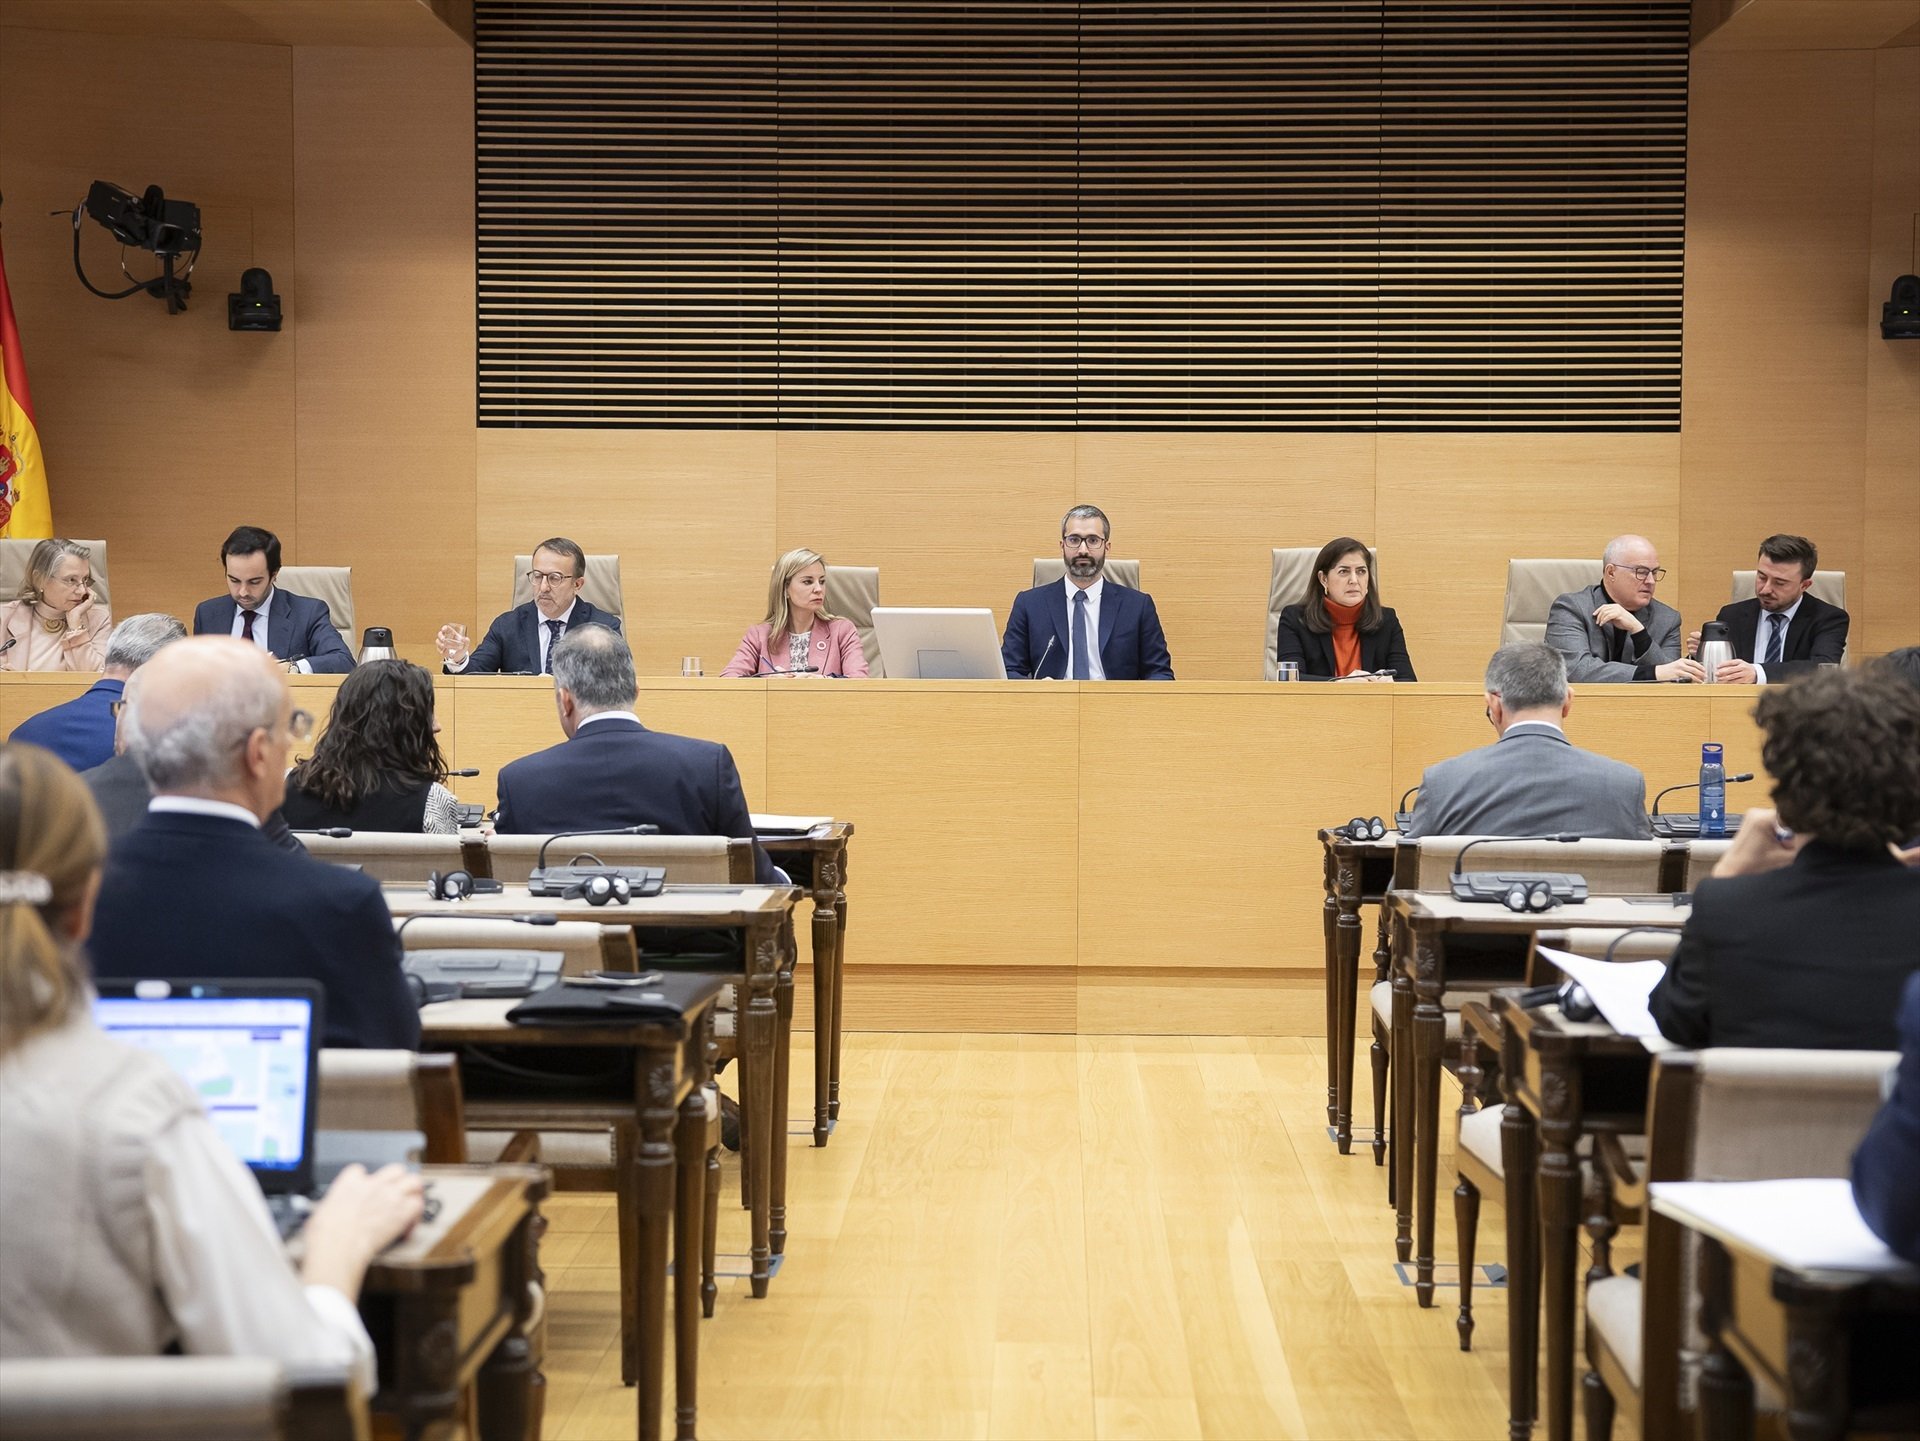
x,y
84,649
836,651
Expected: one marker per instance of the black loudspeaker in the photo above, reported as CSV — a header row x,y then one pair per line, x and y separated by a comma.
x,y
453,886
604,890
1900,316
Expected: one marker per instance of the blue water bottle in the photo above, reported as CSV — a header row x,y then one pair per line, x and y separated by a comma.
x,y
1713,792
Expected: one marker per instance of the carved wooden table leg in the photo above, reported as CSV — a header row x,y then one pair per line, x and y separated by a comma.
x,y
1382,959
782,1080
427,1372
1329,926
826,973
1819,1363
839,986
1726,1390
689,1250
653,1188
1400,1061
1560,1215
1429,1043
759,1025
510,1392
1519,1155
1346,983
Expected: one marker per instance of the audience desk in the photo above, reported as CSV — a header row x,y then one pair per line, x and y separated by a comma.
x,y
1357,874
817,862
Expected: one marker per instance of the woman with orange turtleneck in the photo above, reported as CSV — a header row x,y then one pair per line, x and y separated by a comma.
x,y
1339,629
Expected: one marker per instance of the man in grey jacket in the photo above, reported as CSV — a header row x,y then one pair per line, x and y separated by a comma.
x,y
1533,781
1616,630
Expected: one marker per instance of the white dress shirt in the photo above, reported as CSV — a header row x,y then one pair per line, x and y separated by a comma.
x,y
1095,671
1763,633
601,715
260,628
195,806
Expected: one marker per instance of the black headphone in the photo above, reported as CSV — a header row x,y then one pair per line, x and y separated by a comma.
x,y
600,890
452,886
1523,897
1362,828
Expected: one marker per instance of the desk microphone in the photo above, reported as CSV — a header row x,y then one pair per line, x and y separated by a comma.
x,y
1036,670
1575,1004
540,862
1694,786
436,976
523,918
332,833
468,771
1401,815
1520,891
9,643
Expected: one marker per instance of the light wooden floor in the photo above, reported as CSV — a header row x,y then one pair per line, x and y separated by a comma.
x,y
1058,1236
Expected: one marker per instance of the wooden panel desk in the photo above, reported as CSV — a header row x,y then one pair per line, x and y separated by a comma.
x,y
669,1115
1011,830
764,915
1422,924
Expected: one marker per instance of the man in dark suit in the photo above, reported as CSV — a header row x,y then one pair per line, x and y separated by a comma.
x,y
1533,781
1616,630
1784,630
1886,1168
196,890
1083,628
1805,936
81,731
297,630
612,771
521,641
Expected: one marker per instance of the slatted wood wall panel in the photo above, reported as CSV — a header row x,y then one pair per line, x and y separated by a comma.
x,y
1063,214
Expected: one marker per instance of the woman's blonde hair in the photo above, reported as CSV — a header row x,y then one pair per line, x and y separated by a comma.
x,y
46,555
51,844
779,613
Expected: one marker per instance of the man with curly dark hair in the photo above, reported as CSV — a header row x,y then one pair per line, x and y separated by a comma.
x,y
1810,925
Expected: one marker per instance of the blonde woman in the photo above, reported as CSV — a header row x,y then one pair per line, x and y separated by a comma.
x,y
56,622
798,637
148,1232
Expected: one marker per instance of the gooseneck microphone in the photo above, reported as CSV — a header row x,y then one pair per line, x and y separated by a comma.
x,y
524,918
1564,837
332,833
1694,786
1401,809
1036,670
1614,945
540,862
9,643
468,771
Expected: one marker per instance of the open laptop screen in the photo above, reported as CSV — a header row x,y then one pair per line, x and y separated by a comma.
x,y
249,1057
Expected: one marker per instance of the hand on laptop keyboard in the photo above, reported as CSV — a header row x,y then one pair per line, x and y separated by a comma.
x,y
360,1216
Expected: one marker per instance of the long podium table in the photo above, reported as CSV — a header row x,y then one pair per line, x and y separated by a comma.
x,y
1036,855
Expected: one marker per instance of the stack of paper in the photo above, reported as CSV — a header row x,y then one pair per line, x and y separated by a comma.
x,y
1618,988
1803,1225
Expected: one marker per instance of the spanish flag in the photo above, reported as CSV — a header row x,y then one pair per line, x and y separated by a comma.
x,y
26,512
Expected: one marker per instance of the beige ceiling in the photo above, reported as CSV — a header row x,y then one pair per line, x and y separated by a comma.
x,y
1805,24
416,23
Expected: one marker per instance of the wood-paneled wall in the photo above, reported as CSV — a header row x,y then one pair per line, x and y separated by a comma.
x,y
349,175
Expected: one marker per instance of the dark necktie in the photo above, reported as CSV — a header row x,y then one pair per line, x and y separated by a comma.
x,y
554,628
1082,669
1776,642
246,624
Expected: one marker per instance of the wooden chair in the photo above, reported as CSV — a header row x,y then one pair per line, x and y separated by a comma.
x,y
399,857
1715,1115
1292,572
1048,569
397,1091
1702,857
177,1398
853,591
1532,588
330,583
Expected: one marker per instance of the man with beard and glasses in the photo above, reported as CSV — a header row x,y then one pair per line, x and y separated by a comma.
x,y
1081,627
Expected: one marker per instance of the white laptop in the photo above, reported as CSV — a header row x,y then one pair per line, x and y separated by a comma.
x,y
936,643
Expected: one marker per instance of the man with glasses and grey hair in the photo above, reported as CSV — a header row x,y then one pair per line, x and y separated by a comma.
x,y
1082,627
81,731
197,890
521,641
1616,630
1533,781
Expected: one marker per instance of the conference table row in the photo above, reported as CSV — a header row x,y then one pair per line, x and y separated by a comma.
x,y
1059,856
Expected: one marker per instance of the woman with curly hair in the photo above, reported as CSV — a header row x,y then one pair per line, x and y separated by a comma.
x,y
378,766
1810,924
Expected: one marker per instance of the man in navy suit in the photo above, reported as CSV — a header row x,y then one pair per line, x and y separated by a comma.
x,y
1082,628
611,770
297,630
81,731
195,889
1783,631
1886,1168
521,641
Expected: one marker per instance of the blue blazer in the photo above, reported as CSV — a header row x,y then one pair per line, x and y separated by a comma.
x,y
298,628
187,895
79,732
1132,645
511,645
619,773
1886,1168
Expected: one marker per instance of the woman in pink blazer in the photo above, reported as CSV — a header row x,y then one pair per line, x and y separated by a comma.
x,y
56,622
798,637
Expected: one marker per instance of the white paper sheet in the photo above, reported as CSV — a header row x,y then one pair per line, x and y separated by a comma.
x,y
788,825
1804,1225
1619,988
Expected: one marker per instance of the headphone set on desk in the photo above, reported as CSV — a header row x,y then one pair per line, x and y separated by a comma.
x,y
1523,897
458,885
1362,828
602,890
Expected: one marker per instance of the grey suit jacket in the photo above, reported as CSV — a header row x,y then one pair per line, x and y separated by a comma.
x,y
1571,631
1533,781
121,791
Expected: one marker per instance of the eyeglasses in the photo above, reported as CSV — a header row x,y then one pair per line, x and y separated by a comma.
x,y
1083,542
1655,573
116,707
75,582
550,577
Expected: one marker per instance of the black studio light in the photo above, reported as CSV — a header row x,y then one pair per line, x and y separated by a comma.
x,y
254,306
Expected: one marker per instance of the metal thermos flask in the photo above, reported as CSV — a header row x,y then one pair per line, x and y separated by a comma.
x,y
1714,647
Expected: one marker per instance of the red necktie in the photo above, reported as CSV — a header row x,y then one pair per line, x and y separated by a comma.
x,y
246,624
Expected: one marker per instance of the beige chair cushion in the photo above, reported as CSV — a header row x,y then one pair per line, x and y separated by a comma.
x,y
853,591
1613,1317
1532,588
1292,568
367,1091
143,1398
1048,569
579,942
1702,857
330,583
1381,999
584,1148
1611,868
14,555
1828,585
390,857
601,590
1760,1115
1480,1137
688,860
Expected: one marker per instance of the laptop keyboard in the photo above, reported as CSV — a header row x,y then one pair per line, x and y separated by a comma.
x,y
290,1212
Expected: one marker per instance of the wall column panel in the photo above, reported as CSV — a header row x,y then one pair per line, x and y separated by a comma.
x,y
384,410
1887,615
